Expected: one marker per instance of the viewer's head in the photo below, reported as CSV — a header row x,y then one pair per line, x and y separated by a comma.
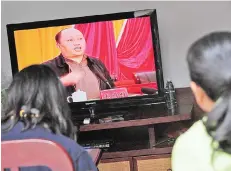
x,y
209,61
37,87
71,42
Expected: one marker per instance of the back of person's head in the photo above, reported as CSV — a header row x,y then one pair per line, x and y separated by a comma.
x,y
37,97
209,61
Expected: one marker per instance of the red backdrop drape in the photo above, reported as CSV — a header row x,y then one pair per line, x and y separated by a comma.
x,y
134,52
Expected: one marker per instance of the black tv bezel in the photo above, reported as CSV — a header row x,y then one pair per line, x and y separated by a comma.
x,y
128,101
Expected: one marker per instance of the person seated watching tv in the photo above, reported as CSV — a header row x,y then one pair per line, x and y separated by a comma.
x,y
206,146
77,70
36,108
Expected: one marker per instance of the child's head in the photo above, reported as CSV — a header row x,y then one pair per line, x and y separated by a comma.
x,y
209,62
36,96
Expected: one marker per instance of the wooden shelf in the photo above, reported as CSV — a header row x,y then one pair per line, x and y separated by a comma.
x,y
150,115
140,122
133,153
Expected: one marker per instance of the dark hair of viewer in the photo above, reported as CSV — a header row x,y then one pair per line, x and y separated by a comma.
x,y
37,97
209,61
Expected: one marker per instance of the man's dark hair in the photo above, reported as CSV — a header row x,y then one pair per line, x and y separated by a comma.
x,y
57,36
38,87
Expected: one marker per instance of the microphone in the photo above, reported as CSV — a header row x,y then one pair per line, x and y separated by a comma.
x,y
109,85
100,75
147,90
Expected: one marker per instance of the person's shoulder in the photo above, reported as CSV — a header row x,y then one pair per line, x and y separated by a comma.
x,y
51,61
79,155
197,128
56,60
75,150
194,133
196,145
186,148
71,146
193,140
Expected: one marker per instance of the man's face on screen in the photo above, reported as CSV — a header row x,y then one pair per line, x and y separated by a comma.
x,y
72,43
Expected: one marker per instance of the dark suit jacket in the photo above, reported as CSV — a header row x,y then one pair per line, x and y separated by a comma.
x,y
61,68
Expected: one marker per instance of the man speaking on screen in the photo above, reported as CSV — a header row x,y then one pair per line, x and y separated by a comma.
x,y
76,70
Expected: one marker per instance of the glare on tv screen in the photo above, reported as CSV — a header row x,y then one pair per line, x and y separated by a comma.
x,y
105,55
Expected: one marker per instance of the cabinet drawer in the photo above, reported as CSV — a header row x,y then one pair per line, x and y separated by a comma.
x,y
115,165
153,163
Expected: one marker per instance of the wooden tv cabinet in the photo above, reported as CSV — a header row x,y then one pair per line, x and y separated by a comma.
x,y
137,137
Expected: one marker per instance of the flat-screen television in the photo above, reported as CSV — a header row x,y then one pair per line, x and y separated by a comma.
x,y
102,54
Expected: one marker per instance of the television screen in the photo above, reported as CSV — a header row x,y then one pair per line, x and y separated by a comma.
x,y
94,56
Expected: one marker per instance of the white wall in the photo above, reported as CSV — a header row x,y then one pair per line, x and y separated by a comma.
x,y
180,23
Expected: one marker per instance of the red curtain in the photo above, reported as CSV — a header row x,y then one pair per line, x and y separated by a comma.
x,y
134,52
